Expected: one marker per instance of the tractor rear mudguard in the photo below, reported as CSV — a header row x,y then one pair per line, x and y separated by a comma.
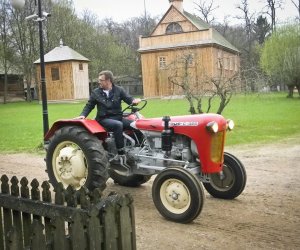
x,y
90,125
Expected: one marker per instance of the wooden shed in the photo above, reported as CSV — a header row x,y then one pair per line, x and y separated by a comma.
x,y
178,33
15,86
66,74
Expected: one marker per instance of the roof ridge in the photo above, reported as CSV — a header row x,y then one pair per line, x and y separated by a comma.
x,y
216,35
62,53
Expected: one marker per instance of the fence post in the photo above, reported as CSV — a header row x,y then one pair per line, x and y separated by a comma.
x,y
17,221
12,239
58,224
1,230
38,241
78,241
35,195
127,222
46,197
26,216
95,230
7,221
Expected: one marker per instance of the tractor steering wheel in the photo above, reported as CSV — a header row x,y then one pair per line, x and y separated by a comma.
x,y
134,107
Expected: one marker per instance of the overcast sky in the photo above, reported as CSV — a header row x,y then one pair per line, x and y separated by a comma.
x,y
121,10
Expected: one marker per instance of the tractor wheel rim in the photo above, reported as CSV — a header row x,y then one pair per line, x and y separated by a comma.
x,y
175,196
225,181
69,164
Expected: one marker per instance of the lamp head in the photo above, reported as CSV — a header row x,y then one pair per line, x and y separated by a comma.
x,y
17,4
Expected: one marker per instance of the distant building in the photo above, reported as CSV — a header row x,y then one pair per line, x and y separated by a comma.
x,y
66,74
180,32
132,85
15,86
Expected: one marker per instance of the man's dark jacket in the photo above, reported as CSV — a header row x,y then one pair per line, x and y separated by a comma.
x,y
107,106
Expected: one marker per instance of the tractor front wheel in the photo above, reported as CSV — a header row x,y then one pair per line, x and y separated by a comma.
x,y
231,182
178,195
76,158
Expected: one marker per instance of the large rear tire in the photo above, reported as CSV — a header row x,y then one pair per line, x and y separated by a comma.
x,y
132,180
231,182
75,157
178,195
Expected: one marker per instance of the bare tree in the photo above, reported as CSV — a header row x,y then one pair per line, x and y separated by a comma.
x,y
25,40
248,20
4,44
200,88
297,5
206,8
272,6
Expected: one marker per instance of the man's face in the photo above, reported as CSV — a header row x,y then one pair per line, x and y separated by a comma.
x,y
103,83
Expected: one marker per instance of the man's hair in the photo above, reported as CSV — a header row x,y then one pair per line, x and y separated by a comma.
x,y
108,75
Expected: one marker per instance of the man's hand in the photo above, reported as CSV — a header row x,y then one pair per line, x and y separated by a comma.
x,y
79,117
136,101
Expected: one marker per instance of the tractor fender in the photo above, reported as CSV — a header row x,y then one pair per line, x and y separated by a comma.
x,y
90,125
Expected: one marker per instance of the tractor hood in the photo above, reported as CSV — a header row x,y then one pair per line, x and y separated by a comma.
x,y
209,144
187,124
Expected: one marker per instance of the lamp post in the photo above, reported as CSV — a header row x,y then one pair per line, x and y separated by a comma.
x,y
40,17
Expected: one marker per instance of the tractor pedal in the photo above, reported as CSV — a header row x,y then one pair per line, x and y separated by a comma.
x,y
119,163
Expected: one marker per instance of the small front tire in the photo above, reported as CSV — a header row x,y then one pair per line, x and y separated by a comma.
x,y
178,195
231,182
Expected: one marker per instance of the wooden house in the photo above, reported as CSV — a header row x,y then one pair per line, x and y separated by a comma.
x,y
66,74
15,86
181,34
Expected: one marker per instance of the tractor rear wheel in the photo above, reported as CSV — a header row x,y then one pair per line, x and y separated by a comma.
x,y
178,195
125,179
76,158
231,182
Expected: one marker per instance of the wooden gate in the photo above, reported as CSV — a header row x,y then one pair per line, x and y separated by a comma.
x,y
29,219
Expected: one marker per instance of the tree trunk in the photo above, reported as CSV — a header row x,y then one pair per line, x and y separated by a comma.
x,y
291,91
5,85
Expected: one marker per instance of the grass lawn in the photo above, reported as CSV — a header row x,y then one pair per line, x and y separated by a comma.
x,y
258,118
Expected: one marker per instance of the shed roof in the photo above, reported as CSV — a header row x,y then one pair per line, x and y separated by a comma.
x,y
62,53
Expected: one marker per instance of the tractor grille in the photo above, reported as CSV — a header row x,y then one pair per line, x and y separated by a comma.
x,y
217,146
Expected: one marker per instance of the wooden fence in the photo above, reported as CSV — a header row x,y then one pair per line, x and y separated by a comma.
x,y
74,220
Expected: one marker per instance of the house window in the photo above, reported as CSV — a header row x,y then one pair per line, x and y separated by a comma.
x,y
226,63
220,61
231,62
190,60
236,68
80,66
173,28
162,62
55,74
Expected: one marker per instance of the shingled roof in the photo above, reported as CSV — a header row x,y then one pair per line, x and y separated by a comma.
x,y
217,38
63,53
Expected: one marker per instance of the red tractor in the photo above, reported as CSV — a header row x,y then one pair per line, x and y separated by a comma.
x,y
182,150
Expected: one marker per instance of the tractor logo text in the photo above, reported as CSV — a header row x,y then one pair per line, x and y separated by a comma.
x,y
191,124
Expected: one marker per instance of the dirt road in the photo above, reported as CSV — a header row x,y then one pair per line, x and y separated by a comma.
x,y
265,216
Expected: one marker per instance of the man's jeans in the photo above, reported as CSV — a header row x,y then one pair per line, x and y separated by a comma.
x,y
116,124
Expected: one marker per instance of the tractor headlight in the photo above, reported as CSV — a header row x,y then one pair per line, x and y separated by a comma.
x,y
212,127
230,124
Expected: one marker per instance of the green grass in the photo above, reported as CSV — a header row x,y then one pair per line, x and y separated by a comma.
x,y
259,118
